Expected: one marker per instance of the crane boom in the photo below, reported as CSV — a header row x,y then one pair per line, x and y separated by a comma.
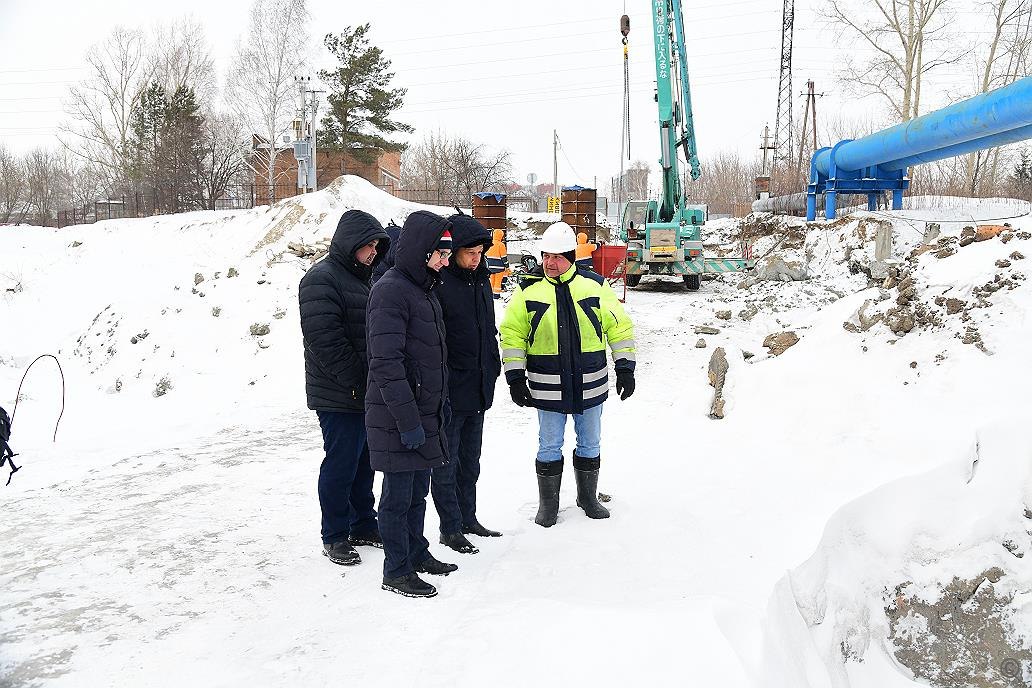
x,y
673,96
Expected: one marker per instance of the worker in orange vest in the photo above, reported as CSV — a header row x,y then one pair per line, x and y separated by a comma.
x,y
498,262
584,251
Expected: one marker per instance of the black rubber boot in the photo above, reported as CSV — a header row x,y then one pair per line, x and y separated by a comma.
x,y
549,478
586,472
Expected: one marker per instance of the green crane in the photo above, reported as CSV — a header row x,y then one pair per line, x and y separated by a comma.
x,y
664,237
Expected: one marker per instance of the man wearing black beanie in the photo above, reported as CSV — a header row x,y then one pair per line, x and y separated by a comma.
x,y
474,365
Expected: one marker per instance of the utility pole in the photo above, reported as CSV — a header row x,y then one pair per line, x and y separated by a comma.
x,y
555,163
809,113
305,137
767,146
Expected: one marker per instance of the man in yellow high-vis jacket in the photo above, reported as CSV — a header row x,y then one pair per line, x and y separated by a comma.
x,y
554,337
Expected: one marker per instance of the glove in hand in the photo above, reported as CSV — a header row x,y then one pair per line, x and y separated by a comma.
x,y
414,438
625,383
520,393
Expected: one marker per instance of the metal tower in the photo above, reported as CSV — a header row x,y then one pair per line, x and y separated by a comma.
x,y
783,119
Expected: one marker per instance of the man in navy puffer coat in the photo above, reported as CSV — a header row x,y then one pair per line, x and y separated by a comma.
x,y
333,296
406,397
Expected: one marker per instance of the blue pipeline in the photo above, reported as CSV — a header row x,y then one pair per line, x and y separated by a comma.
x,y
975,119
1001,139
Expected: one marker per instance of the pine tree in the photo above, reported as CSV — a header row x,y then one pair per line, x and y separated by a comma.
x,y
361,100
167,142
1021,177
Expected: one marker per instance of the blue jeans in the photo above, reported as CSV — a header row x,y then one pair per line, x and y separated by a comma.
x,y
454,485
345,477
552,427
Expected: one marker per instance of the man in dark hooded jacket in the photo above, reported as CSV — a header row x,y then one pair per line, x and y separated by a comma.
x,y
393,232
333,296
405,399
474,365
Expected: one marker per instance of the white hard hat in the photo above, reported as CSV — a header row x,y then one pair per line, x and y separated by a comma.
x,y
558,238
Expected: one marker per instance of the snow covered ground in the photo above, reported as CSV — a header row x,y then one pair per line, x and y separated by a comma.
x,y
174,538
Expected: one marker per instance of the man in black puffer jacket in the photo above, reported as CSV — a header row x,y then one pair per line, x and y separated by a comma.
x,y
333,296
405,399
474,365
393,232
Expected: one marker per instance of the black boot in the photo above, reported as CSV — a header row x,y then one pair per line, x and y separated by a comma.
x,y
549,478
586,472
410,585
370,539
459,543
476,528
341,553
435,568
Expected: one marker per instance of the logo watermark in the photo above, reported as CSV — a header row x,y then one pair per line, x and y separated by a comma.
x,y
1011,668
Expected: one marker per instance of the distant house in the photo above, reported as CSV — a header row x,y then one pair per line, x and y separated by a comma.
x,y
384,171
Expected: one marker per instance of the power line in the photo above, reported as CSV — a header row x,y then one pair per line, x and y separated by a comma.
x,y
639,64
524,41
41,69
511,59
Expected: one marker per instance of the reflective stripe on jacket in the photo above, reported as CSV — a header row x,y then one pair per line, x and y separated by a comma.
x,y
555,333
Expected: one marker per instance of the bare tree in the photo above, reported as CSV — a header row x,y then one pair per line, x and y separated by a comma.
x,y
12,185
224,157
260,86
44,184
179,56
1007,47
455,167
635,182
476,169
100,109
907,39
83,184
423,166
726,184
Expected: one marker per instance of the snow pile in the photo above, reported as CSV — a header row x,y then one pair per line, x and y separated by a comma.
x,y
924,576
196,308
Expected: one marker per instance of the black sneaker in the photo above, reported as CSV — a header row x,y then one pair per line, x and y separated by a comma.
x,y
477,529
371,539
409,585
435,568
459,543
341,553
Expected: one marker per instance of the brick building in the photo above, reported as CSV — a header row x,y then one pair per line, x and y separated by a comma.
x,y
384,171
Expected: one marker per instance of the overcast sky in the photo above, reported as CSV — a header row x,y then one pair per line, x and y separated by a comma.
x,y
505,77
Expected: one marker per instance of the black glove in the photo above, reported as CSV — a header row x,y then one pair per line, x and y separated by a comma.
x,y
414,438
520,393
624,383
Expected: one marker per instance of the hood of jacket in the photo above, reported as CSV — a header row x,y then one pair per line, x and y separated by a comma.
x,y
419,236
355,229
